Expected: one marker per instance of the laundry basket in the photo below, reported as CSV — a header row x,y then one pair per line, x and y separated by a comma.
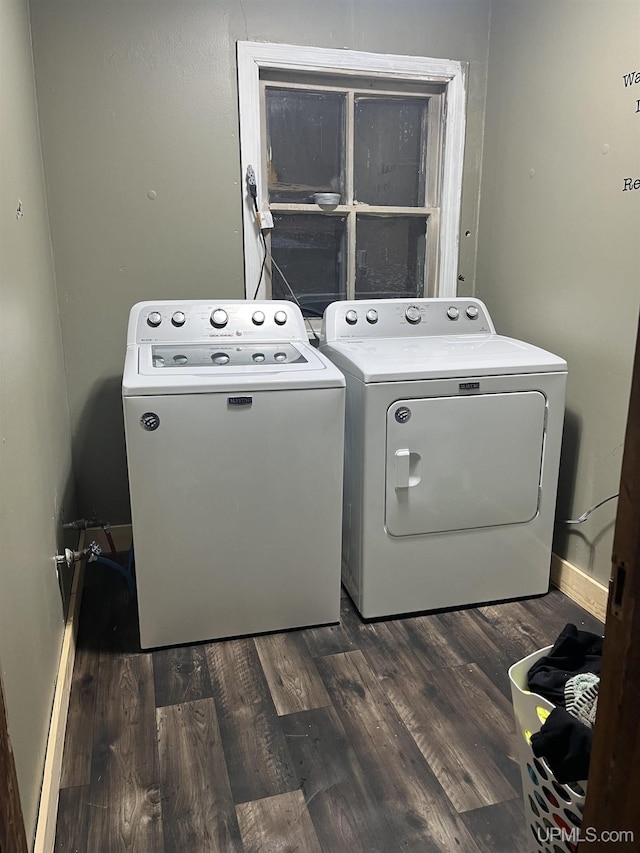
x,y
553,810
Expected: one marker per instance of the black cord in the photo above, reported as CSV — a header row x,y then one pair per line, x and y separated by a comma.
x,y
295,299
264,261
253,192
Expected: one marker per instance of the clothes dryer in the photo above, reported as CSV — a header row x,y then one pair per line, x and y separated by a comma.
x,y
234,430
452,448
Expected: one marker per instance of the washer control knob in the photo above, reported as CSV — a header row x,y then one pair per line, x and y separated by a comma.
x,y
220,358
412,314
472,312
258,318
351,317
452,312
178,318
154,319
372,315
219,318
280,317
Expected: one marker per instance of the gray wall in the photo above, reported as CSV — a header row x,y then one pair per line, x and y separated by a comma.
x,y
35,467
559,240
141,96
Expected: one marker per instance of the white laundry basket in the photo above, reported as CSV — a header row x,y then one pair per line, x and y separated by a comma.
x,y
553,810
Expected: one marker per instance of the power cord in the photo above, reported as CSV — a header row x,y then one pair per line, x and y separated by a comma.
x,y
585,515
264,261
252,186
253,192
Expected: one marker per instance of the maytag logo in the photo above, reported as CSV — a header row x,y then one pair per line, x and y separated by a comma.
x,y
469,386
239,401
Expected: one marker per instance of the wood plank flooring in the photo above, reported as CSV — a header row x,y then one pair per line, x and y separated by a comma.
x,y
382,737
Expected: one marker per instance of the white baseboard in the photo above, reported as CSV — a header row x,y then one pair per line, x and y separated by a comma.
x,y
579,587
48,808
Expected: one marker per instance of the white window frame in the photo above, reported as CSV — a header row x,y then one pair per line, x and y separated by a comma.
x,y
256,57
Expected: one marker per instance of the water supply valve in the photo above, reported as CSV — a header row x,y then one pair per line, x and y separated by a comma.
x,y
93,552
67,559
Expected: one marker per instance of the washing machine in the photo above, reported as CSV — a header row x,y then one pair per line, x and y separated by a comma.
x,y
234,433
452,447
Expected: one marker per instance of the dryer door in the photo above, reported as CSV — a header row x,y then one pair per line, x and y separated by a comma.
x,y
463,462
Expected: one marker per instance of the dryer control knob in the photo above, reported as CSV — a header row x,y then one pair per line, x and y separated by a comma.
x,y
472,312
412,314
154,319
219,318
453,313
372,315
351,317
178,318
280,317
258,318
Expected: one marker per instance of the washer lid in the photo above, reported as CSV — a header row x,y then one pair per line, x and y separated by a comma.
x,y
236,358
439,357
205,368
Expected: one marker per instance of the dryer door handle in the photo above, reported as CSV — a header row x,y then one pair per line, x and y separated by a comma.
x,y
407,468
403,458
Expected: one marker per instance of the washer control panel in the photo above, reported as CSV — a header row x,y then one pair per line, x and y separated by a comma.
x,y
398,318
193,321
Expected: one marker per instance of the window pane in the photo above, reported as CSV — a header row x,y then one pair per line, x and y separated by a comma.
x,y
389,151
304,144
310,251
390,256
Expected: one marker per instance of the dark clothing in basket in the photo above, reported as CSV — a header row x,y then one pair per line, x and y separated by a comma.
x,y
565,744
564,740
573,652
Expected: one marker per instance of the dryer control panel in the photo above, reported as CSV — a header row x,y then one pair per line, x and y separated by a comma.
x,y
398,318
195,321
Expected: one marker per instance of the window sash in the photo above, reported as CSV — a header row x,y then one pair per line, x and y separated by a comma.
x,y
255,58
431,144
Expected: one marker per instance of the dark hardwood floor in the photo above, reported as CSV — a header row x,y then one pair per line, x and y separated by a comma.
x,y
390,736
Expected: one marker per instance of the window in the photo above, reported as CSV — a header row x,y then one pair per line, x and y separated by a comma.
x,y
384,135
